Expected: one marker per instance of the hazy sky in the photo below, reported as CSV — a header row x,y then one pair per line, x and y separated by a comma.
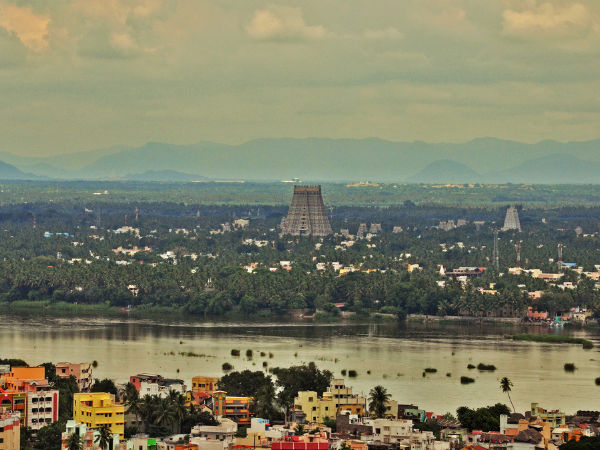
x,y
84,74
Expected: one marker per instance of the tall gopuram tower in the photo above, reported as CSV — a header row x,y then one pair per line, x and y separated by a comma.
x,y
307,215
511,221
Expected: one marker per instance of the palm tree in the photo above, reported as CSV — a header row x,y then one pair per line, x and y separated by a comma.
x,y
74,442
299,430
378,397
506,385
104,437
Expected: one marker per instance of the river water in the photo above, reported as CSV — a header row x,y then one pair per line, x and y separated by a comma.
x,y
394,355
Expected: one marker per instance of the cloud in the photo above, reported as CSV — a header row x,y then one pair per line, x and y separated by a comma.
x,y
283,23
30,28
386,33
549,20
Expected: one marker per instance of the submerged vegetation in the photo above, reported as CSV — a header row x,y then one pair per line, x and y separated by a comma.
x,y
553,339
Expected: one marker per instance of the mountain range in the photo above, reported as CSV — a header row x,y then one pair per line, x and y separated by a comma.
x,y
486,160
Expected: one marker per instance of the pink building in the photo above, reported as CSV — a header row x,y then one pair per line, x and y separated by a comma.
x,y
81,371
536,315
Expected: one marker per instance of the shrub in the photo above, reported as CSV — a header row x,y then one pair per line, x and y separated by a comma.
x,y
430,370
235,352
482,366
227,367
570,367
352,373
466,380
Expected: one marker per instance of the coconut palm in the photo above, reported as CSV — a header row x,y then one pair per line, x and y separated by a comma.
x,y
506,386
378,397
74,442
104,437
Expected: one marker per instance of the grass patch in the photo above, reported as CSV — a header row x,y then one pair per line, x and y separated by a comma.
x,y
552,339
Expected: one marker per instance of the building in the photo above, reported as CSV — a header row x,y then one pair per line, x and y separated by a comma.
x,y
304,442
10,430
95,409
555,418
208,385
223,433
81,371
308,407
362,230
154,384
511,221
88,436
343,397
237,409
307,215
27,391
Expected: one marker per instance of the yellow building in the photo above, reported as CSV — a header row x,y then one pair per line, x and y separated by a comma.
x,y
205,384
314,408
95,409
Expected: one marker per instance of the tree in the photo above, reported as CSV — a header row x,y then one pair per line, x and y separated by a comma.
x,y
378,397
299,430
105,385
50,436
300,378
585,443
74,442
104,437
486,418
506,386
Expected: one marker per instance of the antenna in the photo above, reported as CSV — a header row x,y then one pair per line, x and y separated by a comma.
x,y
496,255
560,257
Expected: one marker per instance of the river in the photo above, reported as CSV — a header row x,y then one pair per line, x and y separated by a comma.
x,y
394,355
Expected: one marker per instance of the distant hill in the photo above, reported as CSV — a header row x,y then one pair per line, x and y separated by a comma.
x,y
10,172
321,159
445,171
558,169
163,175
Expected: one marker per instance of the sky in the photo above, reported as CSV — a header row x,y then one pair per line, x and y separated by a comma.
x,y
84,74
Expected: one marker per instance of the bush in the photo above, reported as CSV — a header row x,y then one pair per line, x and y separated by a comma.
x,y
570,367
227,367
249,353
597,381
352,373
466,380
235,352
430,370
470,366
344,372
482,366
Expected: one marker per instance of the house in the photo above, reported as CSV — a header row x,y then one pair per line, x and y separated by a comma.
x,y
310,408
205,384
222,434
238,409
95,409
10,430
88,436
555,418
81,371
